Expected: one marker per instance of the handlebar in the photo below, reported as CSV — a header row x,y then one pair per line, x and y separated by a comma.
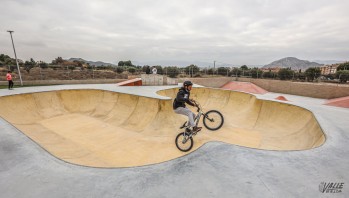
x,y
197,105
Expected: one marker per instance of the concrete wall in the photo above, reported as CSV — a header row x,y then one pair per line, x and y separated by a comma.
x,y
63,82
155,79
171,81
314,90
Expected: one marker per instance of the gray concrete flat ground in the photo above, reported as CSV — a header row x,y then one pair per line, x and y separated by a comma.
x,y
215,170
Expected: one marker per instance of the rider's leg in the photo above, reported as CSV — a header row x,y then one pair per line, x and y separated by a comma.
x,y
185,111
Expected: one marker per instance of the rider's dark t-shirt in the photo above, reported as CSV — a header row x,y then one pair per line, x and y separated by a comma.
x,y
182,98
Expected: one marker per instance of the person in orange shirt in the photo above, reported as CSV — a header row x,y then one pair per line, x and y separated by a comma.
x,y
9,79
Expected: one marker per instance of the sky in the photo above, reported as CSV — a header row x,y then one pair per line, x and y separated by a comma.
x,y
252,32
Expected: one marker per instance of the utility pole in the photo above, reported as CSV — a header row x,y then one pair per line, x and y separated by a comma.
x,y
19,71
40,69
214,66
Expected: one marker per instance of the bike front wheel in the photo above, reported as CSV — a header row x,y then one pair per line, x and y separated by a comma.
x,y
213,120
184,142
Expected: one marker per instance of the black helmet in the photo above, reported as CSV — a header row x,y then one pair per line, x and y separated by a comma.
x,y
187,83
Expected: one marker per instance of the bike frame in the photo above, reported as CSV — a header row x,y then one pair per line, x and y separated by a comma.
x,y
200,113
198,116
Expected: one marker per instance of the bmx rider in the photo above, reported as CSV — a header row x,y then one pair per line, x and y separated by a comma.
x,y
179,107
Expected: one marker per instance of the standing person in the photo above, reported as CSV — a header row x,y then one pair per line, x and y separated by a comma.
x,y
154,70
179,105
9,79
147,70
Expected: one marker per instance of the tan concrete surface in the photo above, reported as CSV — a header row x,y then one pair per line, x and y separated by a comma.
x,y
108,129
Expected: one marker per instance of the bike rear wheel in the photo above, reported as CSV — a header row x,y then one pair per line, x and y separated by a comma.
x,y
184,142
213,120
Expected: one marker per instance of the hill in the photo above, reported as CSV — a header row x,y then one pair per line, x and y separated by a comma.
x,y
95,63
293,63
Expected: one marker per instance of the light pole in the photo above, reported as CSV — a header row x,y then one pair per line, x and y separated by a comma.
x,y
214,66
19,71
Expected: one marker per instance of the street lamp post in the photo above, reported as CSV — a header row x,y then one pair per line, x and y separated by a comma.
x,y
19,71
214,67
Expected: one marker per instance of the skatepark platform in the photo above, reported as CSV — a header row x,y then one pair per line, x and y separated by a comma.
x,y
241,160
109,129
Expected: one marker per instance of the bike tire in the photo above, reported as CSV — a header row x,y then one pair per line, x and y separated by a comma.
x,y
179,139
213,113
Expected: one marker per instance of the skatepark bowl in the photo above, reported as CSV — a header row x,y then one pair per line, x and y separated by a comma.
x,y
100,128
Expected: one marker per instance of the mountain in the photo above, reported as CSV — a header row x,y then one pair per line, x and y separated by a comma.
x,y
293,63
95,63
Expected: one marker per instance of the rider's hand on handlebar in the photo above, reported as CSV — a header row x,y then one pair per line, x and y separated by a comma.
x,y
195,103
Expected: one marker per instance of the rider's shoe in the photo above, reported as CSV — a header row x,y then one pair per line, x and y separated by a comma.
x,y
196,129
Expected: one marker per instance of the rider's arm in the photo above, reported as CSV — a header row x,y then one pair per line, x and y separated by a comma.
x,y
190,102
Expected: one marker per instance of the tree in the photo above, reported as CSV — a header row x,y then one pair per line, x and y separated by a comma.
x,y
121,63
172,71
210,71
6,60
244,67
235,72
343,66
343,75
144,68
285,74
223,71
132,70
343,72
3,57
119,70
125,63
269,74
43,65
191,69
128,63
28,65
312,73
256,72
58,61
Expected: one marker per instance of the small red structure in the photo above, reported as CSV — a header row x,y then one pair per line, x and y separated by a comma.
x,y
132,82
281,98
339,102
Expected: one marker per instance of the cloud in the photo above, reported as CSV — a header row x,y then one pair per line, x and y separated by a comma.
x,y
231,31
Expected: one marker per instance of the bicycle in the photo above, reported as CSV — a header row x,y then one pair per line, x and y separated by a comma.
x,y
184,140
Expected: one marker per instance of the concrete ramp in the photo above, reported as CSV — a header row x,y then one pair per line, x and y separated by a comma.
x,y
244,86
108,129
339,102
132,82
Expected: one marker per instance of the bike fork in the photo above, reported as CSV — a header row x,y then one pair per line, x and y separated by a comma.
x,y
186,135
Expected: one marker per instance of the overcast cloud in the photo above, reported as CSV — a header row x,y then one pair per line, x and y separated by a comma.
x,y
253,32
